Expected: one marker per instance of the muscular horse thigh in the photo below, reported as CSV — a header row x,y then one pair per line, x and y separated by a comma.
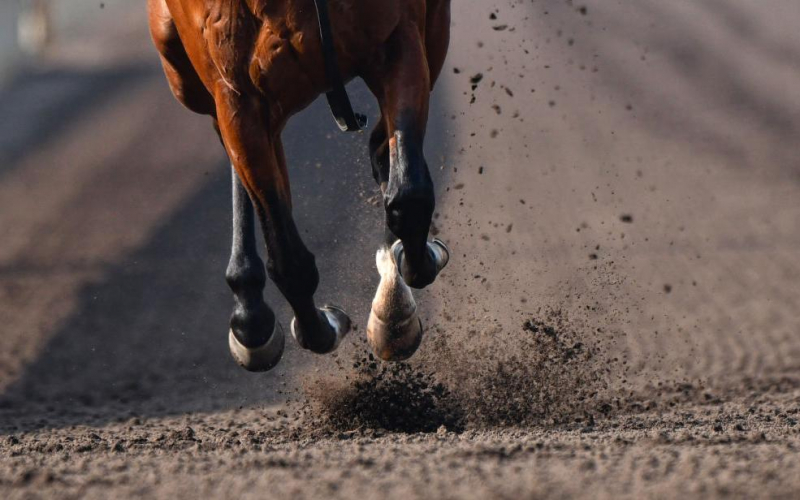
x,y
183,80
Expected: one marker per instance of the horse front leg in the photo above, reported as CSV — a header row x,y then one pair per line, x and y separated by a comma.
x,y
408,260
255,339
257,156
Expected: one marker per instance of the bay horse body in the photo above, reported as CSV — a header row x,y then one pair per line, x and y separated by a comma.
x,y
251,65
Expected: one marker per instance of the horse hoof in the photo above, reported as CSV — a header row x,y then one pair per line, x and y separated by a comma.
x,y
338,320
394,341
438,251
261,358
394,330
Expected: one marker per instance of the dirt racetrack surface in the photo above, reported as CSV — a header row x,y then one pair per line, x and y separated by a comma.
x,y
619,185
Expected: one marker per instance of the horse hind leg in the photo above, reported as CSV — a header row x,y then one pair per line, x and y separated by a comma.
x,y
185,83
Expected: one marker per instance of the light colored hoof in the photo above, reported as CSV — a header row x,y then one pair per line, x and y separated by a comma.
x,y
436,248
337,319
394,330
393,340
262,358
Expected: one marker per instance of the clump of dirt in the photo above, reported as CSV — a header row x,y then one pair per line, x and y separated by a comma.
x,y
547,372
550,371
395,397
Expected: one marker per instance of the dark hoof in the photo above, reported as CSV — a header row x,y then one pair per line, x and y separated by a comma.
x,y
339,323
440,253
258,359
439,256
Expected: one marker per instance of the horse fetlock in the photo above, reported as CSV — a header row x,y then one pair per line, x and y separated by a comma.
x,y
252,321
242,275
420,270
333,326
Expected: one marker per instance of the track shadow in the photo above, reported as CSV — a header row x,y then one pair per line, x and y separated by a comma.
x,y
149,332
150,338
39,104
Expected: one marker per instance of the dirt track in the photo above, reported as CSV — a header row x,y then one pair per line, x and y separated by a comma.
x,y
626,174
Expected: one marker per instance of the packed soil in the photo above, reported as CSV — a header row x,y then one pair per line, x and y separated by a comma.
x,y
618,185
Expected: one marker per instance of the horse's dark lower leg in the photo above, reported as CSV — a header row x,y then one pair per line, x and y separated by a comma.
x,y
396,151
252,321
253,324
379,153
379,158
293,269
409,202
407,188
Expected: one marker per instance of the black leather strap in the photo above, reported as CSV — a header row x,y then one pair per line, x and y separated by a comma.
x,y
338,100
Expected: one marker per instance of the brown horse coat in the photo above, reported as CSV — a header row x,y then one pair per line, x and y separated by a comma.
x,y
251,64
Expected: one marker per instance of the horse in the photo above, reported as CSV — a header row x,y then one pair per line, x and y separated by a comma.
x,y
252,64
